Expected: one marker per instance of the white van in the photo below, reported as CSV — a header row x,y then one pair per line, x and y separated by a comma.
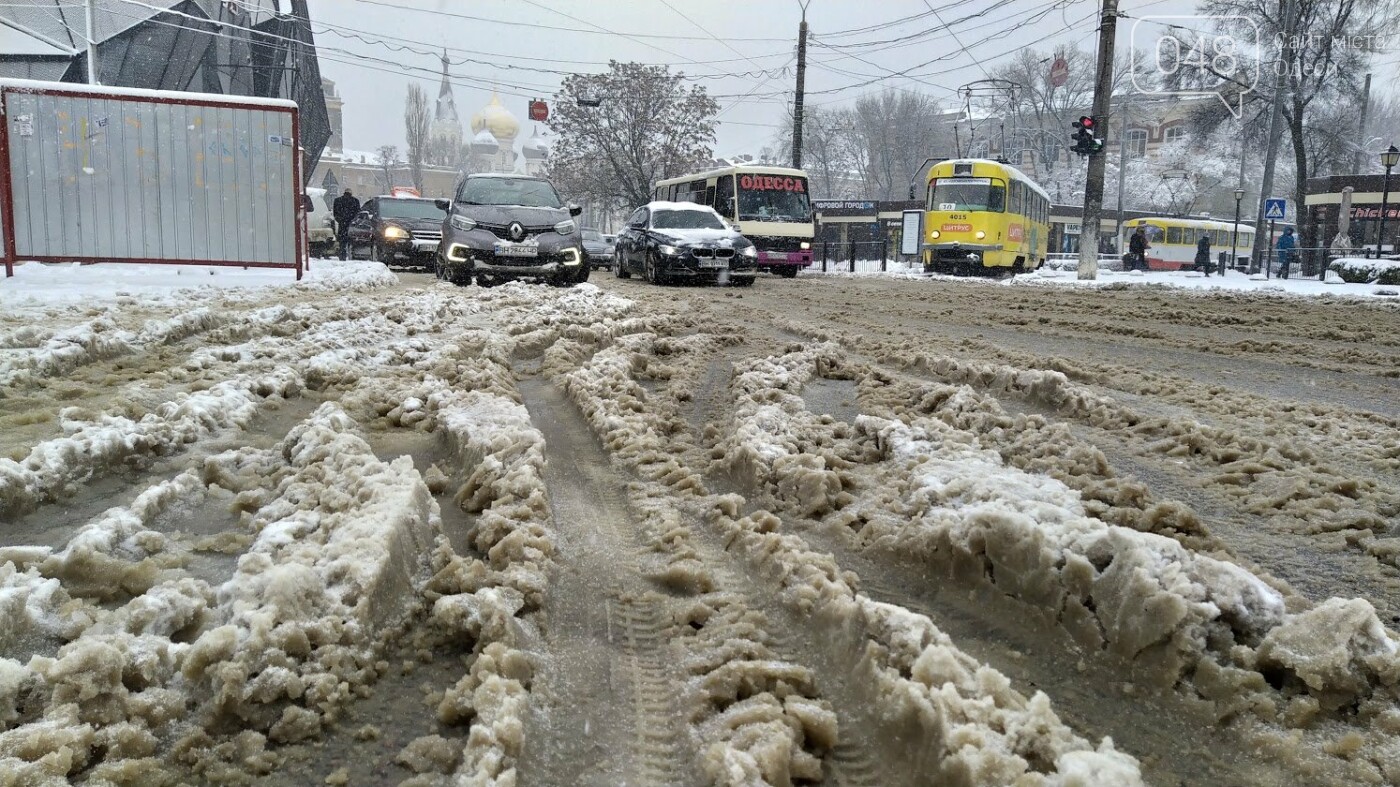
x,y
320,225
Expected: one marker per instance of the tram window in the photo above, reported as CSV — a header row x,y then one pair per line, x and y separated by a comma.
x,y
971,194
1173,236
1016,196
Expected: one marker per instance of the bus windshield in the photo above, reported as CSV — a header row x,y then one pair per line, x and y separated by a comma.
x,y
969,194
774,198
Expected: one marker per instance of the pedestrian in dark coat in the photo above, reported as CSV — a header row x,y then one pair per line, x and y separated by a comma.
x,y
344,209
1137,249
1203,255
1286,246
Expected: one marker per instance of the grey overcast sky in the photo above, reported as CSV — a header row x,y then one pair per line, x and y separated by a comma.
x,y
745,50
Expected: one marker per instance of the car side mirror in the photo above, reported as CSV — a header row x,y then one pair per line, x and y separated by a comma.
x,y
443,205
575,210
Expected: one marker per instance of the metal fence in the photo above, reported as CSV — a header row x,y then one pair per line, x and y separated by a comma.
x,y
119,175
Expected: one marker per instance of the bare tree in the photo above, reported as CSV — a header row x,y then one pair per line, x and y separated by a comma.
x,y
417,121
647,128
387,157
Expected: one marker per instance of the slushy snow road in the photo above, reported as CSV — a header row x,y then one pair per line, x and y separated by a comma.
x,y
374,528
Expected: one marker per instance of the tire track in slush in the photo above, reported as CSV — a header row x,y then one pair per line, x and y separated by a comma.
x,y
603,708
853,762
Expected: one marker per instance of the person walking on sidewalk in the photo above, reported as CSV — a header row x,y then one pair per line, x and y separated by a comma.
x,y
1286,245
344,209
1137,249
1203,254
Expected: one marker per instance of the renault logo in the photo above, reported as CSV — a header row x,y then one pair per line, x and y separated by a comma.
x,y
516,231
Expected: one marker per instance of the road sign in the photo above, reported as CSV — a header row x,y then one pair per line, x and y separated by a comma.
x,y
539,110
1059,72
1275,208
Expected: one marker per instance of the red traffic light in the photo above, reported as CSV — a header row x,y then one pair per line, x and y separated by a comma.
x,y
1086,122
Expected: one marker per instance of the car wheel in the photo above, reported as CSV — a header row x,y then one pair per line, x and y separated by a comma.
x,y
652,274
458,276
582,276
788,272
622,270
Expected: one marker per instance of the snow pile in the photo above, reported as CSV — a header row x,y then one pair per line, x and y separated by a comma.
x,y
1031,442
338,558
38,284
978,729
116,555
502,456
1143,596
777,444
347,276
758,717
92,446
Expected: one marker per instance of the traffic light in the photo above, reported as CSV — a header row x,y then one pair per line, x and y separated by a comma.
x,y
1085,141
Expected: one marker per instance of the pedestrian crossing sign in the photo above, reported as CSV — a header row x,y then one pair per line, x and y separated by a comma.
x,y
1274,208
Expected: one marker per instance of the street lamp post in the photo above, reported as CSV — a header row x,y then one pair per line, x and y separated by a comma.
x,y
1389,159
1235,238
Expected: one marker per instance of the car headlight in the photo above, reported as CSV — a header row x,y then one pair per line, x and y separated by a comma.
x,y
934,234
669,251
395,233
330,222
565,227
463,223
805,245
981,235
749,251
571,256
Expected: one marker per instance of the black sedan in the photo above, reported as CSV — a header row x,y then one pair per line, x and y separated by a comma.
x,y
673,241
599,251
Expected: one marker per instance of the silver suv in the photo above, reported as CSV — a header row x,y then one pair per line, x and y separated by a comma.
x,y
502,227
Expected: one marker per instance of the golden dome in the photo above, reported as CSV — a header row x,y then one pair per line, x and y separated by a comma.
x,y
496,119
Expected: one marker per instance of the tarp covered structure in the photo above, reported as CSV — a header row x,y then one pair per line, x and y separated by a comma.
x,y
246,48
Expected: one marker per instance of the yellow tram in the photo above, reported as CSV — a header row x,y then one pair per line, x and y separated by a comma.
x,y
984,216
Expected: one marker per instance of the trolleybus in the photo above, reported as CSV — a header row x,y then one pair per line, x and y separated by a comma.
x,y
770,205
984,216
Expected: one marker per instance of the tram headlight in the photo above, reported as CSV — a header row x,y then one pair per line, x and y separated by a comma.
x,y
981,235
934,234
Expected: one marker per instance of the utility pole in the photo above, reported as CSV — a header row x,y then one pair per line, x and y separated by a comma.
x,y
1093,185
1361,126
91,45
1122,165
1266,184
801,86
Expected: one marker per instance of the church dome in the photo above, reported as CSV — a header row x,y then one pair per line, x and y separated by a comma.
x,y
536,146
496,119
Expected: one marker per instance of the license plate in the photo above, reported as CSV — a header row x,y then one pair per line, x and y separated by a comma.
x,y
714,263
517,250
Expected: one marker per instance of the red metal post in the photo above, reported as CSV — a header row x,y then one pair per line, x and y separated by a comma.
x,y
7,206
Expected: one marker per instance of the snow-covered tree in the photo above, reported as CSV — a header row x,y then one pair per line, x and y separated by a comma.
x,y
648,127
1323,61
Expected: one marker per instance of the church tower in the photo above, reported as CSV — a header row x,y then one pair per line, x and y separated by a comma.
x,y
445,135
